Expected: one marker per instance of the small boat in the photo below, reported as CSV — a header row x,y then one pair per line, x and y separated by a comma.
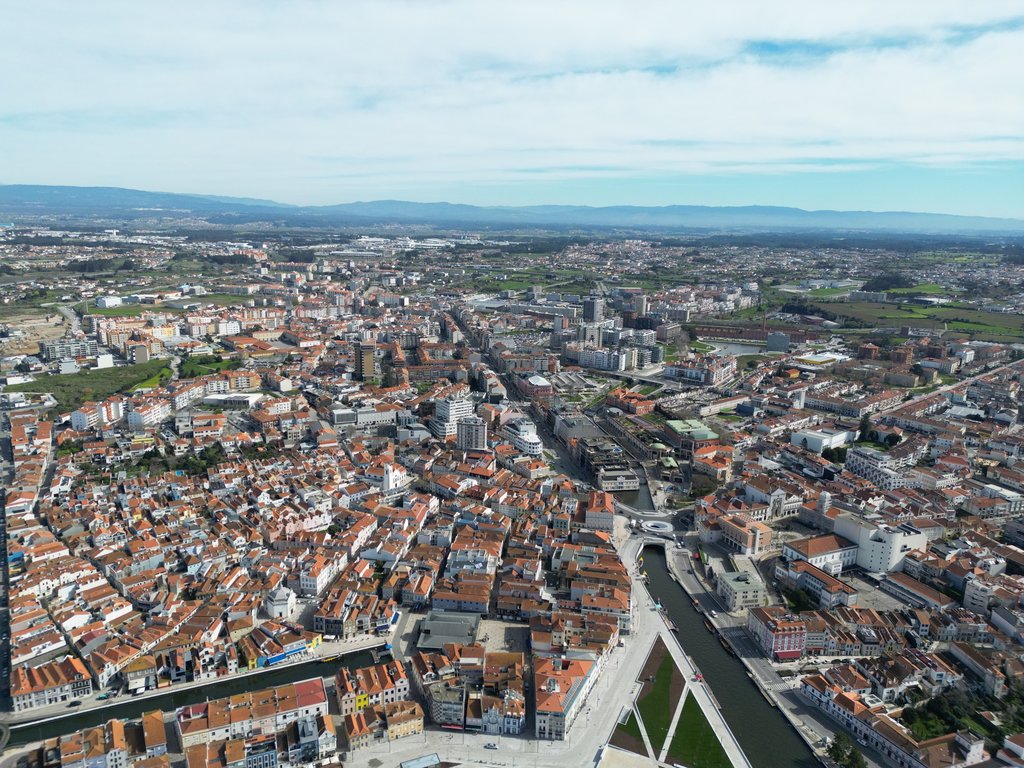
x,y
672,626
328,659
708,625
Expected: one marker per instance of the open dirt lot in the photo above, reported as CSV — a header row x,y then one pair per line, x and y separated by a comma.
x,y
35,328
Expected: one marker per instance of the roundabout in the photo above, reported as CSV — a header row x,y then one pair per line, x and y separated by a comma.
x,y
657,526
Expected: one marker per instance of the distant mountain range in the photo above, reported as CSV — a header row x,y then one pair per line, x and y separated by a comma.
x,y
115,204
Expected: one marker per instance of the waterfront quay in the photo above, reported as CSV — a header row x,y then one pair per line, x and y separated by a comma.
x,y
56,721
779,704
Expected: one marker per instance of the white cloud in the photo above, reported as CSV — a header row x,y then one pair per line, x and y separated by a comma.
x,y
319,102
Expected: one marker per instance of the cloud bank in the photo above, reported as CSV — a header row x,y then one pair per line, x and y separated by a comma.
x,y
316,102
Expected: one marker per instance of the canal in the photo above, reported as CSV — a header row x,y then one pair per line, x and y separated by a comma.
x,y
133,708
765,735
640,499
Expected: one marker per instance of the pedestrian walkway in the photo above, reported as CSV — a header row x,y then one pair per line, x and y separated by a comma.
x,y
675,722
700,691
643,731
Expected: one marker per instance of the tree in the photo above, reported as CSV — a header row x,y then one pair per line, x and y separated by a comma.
x,y
702,485
892,439
887,282
856,760
840,748
865,427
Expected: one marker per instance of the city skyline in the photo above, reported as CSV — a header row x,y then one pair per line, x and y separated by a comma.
x,y
866,108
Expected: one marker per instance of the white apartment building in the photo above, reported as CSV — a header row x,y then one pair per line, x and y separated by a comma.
x,y
880,547
448,411
522,433
150,414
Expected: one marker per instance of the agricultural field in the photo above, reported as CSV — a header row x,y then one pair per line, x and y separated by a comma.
x,y
38,303
953,317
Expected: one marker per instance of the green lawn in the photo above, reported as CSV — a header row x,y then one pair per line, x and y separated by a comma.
x,y
74,389
204,364
224,299
730,416
922,288
155,380
656,706
599,398
825,292
131,310
627,736
649,389
884,447
700,346
743,361
694,743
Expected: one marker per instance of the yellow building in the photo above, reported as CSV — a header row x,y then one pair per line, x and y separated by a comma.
x,y
403,718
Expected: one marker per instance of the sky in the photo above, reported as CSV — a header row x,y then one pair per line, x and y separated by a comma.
x,y
868,105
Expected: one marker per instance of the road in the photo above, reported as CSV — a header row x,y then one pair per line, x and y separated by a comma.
x,y
69,314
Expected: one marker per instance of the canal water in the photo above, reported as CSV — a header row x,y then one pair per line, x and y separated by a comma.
x,y
130,708
639,500
764,734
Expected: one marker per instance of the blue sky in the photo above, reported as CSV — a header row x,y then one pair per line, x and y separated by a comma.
x,y
872,105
